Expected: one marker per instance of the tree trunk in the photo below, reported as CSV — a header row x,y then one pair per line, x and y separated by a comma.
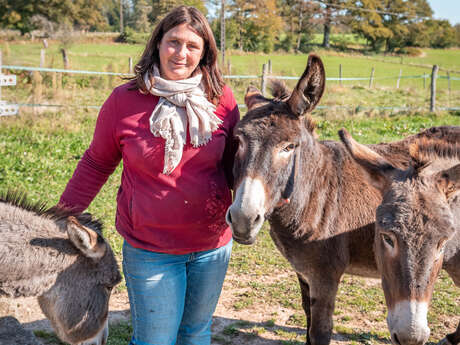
x,y
222,32
121,16
299,36
327,28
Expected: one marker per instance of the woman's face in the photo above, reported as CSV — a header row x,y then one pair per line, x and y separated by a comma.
x,y
181,50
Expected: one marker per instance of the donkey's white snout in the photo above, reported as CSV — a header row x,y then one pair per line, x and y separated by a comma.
x,y
246,215
408,323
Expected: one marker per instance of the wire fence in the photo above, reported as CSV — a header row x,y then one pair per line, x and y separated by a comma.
x,y
263,78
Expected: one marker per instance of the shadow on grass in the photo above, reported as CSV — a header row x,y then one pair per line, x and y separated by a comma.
x,y
235,331
225,331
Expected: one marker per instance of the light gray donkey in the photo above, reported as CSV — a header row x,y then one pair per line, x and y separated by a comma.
x,y
62,258
417,229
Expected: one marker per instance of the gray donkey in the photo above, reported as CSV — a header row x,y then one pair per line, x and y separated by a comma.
x,y
62,258
417,229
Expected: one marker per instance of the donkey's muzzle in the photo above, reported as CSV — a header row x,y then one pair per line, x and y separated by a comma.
x,y
246,215
245,227
407,322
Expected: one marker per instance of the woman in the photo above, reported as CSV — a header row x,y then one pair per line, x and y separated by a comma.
x,y
172,126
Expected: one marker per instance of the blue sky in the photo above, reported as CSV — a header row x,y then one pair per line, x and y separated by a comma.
x,y
446,9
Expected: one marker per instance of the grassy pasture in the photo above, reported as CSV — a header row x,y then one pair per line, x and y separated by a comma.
x,y
39,151
38,154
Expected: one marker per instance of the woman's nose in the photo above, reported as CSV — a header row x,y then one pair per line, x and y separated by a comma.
x,y
182,50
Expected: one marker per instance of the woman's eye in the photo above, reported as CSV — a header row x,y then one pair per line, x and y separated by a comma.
x,y
388,240
288,148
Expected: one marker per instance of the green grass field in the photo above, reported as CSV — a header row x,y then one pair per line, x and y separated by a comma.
x,y
40,149
352,97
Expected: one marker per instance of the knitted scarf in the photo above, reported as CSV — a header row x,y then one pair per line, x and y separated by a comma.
x,y
182,103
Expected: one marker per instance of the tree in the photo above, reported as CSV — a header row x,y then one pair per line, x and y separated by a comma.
x,y
258,24
368,23
332,13
299,21
141,16
384,23
412,12
457,30
441,33
88,15
17,14
161,7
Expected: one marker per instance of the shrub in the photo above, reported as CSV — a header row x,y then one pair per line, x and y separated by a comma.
x,y
414,51
132,37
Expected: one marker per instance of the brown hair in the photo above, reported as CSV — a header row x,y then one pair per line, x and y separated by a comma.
x,y
212,78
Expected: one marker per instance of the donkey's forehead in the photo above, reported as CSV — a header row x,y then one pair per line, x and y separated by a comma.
x,y
412,209
268,120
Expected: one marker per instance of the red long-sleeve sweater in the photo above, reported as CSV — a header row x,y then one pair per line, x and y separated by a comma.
x,y
178,213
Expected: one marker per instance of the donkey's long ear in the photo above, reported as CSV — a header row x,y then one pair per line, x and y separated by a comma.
x,y
379,169
254,98
448,181
309,88
85,239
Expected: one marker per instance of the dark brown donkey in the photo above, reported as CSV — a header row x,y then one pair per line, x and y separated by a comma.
x,y
417,228
62,259
317,199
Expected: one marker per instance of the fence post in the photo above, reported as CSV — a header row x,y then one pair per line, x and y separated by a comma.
x,y
399,79
371,79
424,80
448,88
229,67
37,80
42,57
130,65
263,84
65,59
269,66
59,92
434,75
448,81
340,74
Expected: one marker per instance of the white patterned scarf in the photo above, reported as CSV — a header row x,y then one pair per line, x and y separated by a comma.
x,y
182,103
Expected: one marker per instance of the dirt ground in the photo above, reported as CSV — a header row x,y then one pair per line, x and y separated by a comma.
x,y
230,326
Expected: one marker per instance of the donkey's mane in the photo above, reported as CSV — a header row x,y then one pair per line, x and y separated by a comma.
x,y
20,200
427,149
281,93
279,90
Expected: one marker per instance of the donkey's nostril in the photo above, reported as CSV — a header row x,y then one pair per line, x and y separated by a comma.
x,y
257,219
396,339
229,217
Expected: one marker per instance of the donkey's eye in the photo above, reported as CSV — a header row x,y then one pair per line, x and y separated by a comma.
x,y
388,240
288,148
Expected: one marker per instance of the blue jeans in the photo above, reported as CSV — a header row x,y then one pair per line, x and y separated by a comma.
x,y
173,297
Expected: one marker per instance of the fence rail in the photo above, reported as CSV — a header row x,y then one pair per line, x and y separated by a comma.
x,y
69,71
266,74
